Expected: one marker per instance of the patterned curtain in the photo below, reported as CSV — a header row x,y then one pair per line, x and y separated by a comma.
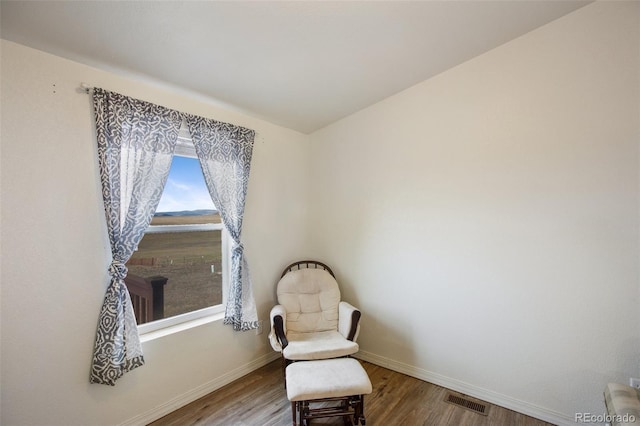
x,y
136,141
224,151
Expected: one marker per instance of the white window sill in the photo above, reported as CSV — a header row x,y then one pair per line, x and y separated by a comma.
x,y
172,329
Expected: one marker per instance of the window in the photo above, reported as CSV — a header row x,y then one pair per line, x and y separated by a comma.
x,y
181,260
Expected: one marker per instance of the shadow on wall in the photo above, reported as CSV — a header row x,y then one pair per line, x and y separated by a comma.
x,y
383,337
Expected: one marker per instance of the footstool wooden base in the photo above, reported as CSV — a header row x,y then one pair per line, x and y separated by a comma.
x,y
341,380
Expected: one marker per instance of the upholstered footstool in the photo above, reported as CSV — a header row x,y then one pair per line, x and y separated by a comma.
x,y
340,380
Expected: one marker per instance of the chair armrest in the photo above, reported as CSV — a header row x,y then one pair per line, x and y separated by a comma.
x,y
278,334
348,321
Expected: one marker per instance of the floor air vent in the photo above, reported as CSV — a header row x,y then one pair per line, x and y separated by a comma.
x,y
465,402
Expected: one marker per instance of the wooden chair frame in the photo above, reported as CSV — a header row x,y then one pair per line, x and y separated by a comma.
x,y
351,409
306,263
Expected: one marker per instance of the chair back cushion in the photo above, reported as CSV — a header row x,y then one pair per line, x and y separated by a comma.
x,y
311,298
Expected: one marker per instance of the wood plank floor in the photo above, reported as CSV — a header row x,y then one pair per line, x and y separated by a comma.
x,y
259,399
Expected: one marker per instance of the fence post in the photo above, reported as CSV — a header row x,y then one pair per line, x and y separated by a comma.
x,y
157,283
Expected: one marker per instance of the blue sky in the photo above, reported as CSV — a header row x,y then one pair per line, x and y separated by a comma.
x,y
185,188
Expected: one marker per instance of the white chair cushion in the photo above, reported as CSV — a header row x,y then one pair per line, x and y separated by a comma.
x,y
320,345
331,378
310,298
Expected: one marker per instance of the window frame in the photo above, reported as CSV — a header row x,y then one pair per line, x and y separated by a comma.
x,y
185,148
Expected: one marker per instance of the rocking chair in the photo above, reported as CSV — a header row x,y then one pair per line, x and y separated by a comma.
x,y
310,321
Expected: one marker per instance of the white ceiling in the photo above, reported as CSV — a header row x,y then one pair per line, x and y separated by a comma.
x,y
299,64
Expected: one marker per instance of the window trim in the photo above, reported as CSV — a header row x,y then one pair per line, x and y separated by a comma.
x,y
163,323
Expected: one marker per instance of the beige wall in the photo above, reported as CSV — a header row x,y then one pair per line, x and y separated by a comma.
x,y
55,251
486,220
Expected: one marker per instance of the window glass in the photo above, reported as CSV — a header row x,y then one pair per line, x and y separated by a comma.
x,y
183,245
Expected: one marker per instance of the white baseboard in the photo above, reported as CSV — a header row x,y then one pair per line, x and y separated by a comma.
x,y
468,389
200,391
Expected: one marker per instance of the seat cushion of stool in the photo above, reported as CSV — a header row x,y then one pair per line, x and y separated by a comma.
x,y
329,378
